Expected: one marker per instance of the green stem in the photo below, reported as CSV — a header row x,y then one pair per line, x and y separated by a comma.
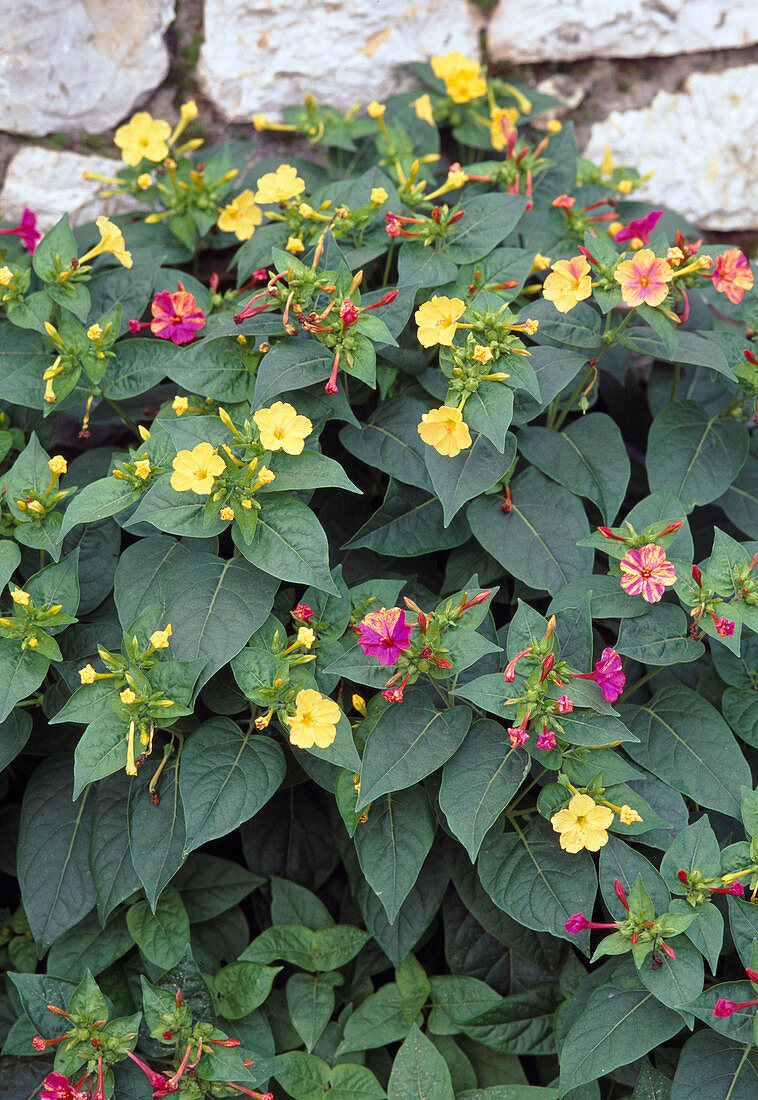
x,y
638,683
126,419
675,382
388,263
445,698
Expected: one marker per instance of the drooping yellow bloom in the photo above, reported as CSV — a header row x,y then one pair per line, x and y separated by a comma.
x,y
582,824
144,179
226,514
33,642
482,354
569,282
20,597
423,108
111,240
306,637
463,77
87,675
294,245
241,216
314,721
159,638
142,468
180,405
437,320
143,136
378,196
540,263
445,430
265,476
127,697
196,470
58,465
279,186
376,110
6,276
282,429
628,816
94,332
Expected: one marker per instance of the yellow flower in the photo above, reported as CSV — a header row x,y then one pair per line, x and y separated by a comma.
x,y
569,282
227,514
376,110
554,126
58,465
20,597
144,179
378,196
188,110
6,276
180,405
159,638
36,507
463,77
265,476
111,240
282,429
628,816
87,675
143,136
624,186
196,470
260,122
423,108
437,320
530,326
498,132
247,505
445,430
314,721
482,354
279,186
94,332
540,263
456,178
33,642
360,705
142,468
306,637
294,244
127,697
241,216
583,824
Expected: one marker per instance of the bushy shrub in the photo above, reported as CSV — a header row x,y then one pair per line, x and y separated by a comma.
x,y
379,621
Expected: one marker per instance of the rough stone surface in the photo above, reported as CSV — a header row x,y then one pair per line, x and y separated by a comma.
x,y
261,55
560,31
51,183
68,65
699,143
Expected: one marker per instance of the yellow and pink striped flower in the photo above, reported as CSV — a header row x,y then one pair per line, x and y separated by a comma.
x,y
644,279
647,572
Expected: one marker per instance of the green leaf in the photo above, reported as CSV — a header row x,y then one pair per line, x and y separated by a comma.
x,y
479,781
209,886
289,542
36,992
457,480
290,365
325,949
695,849
242,987
113,873
740,500
620,1021
225,778
695,455
677,981
535,882
487,221
407,744
310,1000
686,742
489,410
10,556
408,523
101,750
213,605
156,833
22,672
293,904
89,945
163,933
53,852
659,638
389,441
589,458
419,1071
582,727
393,844
536,542
14,734
713,1067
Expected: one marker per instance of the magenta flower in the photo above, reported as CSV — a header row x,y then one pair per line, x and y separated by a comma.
x,y
726,1008
546,740
57,1087
176,316
732,275
302,611
736,889
724,627
564,705
579,923
647,572
640,228
384,634
26,230
608,675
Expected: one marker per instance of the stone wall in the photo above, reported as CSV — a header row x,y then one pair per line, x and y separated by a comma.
x,y
671,87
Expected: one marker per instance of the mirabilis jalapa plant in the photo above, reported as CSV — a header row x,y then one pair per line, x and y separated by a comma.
x,y
378,659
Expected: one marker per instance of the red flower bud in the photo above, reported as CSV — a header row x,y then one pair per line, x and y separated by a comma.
x,y
670,529
697,576
547,666
620,893
608,534
683,877
456,217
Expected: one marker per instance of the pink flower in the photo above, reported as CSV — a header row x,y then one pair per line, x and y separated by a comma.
x,y
384,634
644,279
518,734
731,274
736,889
564,705
392,225
176,316
724,1008
395,694
647,572
302,611
577,923
607,675
725,627
349,313
510,669
27,230
641,228
58,1087
546,740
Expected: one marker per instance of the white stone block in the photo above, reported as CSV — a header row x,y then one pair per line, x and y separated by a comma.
x,y
262,55
554,30
68,65
700,144
51,184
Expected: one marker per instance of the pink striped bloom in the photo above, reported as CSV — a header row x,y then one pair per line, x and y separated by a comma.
x,y
384,634
647,572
